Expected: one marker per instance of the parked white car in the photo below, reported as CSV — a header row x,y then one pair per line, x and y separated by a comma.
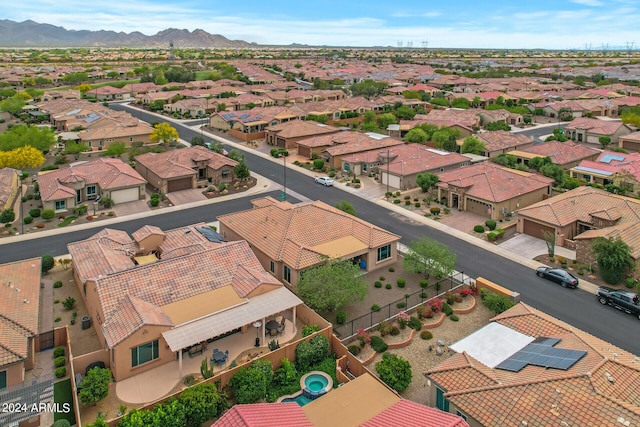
x,y
324,180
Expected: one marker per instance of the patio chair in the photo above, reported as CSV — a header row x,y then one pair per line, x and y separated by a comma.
x,y
281,326
274,332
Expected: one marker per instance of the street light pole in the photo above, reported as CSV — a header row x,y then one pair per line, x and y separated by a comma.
x,y
283,196
388,161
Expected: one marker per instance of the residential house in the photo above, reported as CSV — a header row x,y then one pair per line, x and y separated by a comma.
x,y
192,107
86,182
9,187
19,317
501,116
491,190
287,134
154,295
620,169
109,93
50,95
630,142
141,88
554,108
343,406
399,165
100,134
290,238
565,154
362,142
575,379
185,168
589,130
500,141
582,215
314,146
251,124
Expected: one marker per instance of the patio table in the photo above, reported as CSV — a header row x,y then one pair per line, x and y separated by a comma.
x,y
219,357
272,325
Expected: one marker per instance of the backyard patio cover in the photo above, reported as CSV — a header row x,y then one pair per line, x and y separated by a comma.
x,y
256,308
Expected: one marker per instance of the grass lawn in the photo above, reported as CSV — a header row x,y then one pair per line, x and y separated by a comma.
x,y
62,393
67,221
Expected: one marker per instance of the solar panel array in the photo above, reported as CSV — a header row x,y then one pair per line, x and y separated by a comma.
x,y
542,352
211,235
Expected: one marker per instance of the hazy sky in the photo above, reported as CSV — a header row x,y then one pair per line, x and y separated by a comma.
x,y
553,24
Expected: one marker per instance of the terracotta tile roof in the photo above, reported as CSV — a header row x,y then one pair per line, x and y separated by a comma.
x,y
146,231
287,414
363,143
301,128
493,183
562,153
412,414
342,137
7,178
19,308
501,140
286,232
108,173
597,390
595,126
409,159
174,279
177,163
132,314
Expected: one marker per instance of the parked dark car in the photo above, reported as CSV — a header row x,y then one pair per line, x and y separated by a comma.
x,y
558,275
622,300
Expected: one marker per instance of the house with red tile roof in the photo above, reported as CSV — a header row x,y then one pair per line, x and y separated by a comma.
x,y
491,190
565,154
19,317
358,143
109,93
490,382
364,401
500,141
400,165
582,215
85,182
630,142
156,294
585,129
185,168
287,134
610,167
289,238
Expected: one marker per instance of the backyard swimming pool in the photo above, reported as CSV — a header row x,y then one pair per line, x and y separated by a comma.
x,y
312,385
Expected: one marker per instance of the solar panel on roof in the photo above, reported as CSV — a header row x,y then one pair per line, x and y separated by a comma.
x,y
210,234
608,158
92,118
542,353
72,112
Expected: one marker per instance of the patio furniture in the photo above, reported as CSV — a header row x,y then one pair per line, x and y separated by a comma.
x,y
196,349
219,357
272,325
273,332
281,326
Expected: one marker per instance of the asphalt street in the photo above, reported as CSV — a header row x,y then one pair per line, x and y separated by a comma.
x,y
576,307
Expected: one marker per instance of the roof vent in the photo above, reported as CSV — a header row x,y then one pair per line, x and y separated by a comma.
x,y
609,377
624,422
26,301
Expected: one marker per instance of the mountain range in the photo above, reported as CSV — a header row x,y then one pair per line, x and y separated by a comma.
x,y
34,34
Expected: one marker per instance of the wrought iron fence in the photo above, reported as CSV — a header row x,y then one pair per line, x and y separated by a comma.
x,y
411,301
25,400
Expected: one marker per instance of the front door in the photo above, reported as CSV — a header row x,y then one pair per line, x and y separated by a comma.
x,y
78,196
454,201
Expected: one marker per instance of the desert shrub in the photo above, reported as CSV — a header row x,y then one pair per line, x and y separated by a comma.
x,y
309,329
414,323
58,351
454,317
61,372
492,236
421,310
478,228
388,286
381,278
446,309
341,317
434,210
48,214
154,203
377,284
57,284
407,198
384,328
394,331
27,220
401,282
354,349
396,201
391,269
426,335
394,371
375,307
69,303
491,224
495,302
309,353
249,385
378,345
424,283
59,361
629,282
401,305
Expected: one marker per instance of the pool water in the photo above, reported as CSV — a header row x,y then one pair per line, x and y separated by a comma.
x,y
316,383
300,399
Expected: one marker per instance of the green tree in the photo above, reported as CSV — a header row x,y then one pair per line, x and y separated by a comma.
x,y
13,105
47,263
497,126
428,256
554,171
23,135
241,170
202,402
461,103
164,132
48,214
613,257
116,149
507,160
7,216
75,148
331,285
216,146
404,113
416,135
197,140
476,101
472,145
249,385
394,371
604,141
450,144
95,386
537,162
236,155
426,180
370,117
385,120
347,207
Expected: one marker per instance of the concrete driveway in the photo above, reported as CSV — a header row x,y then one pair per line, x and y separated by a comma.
x,y
186,196
130,208
530,247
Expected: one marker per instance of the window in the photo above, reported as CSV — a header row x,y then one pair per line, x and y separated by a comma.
x,y
61,204
130,139
225,173
272,267
91,190
441,402
144,353
287,274
202,173
100,143
3,379
461,415
384,252
89,144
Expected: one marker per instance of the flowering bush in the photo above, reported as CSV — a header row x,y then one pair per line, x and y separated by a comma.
x,y
436,305
403,319
363,337
384,328
467,291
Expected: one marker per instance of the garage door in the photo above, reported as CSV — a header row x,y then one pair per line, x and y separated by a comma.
x,y
478,208
179,184
394,181
535,229
125,195
631,146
